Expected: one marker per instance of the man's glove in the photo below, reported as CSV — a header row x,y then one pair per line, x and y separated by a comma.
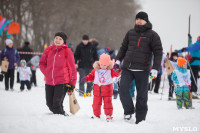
x,y
154,73
84,79
70,88
183,49
189,36
116,66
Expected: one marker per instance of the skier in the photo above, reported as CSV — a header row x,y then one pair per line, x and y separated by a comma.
x,y
173,61
137,48
85,55
9,53
102,75
181,78
194,50
58,66
24,75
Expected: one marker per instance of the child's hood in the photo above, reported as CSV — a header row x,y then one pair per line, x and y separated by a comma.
x,y
96,65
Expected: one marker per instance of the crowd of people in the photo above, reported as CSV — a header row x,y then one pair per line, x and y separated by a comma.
x,y
140,59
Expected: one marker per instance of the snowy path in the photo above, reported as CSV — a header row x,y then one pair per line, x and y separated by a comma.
x,y
26,112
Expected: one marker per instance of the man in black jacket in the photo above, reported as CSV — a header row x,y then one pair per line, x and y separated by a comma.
x,y
137,48
85,55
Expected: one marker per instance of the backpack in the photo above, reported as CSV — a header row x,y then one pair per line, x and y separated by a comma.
x,y
50,47
6,50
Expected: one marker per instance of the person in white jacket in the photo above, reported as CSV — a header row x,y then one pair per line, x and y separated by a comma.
x,y
24,75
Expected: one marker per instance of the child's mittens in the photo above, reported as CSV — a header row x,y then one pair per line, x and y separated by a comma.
x,y
84,79
116,66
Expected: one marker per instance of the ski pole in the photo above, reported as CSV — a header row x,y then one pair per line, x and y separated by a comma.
x,y
163,86
192,74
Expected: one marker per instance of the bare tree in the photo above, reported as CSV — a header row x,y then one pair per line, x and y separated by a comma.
x,y
105,20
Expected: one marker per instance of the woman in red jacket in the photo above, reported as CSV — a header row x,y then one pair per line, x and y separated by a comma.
x,y
102,75
58,66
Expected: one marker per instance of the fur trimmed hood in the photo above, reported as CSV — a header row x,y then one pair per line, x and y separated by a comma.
x,y
96,65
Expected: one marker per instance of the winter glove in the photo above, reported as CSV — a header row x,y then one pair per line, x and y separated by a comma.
x,y
84,79
154,74
183,49
70,88
189,36
116,66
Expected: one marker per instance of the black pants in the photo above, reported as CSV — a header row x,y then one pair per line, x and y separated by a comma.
x,y
156,83
54,98
18,80
171,86
84,72
9,76
195,70
141,81
33,78
27,83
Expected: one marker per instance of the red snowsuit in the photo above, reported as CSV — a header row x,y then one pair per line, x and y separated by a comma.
x,y
103,88
56,67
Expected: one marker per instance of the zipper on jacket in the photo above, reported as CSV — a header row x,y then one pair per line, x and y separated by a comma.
x,y
138,44
100,90
54,64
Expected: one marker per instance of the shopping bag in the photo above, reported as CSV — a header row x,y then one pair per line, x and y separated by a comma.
x,y
4,66
73,103
169,67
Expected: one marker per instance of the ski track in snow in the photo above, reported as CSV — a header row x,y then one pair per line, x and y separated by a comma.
x,y
26,112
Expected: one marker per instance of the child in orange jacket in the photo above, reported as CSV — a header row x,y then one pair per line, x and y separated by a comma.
x,y
102,75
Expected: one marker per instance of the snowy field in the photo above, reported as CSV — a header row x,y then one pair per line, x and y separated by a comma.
x,y
26,112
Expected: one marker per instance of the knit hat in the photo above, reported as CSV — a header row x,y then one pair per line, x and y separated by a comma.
x,y
198,38
62,35
174,54
142,15
104,59
23,61
8,41
181,61
108,49
26,43
85,37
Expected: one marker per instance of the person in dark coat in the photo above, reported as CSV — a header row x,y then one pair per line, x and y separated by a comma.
x,y
26,48
137,48
9,53
85,55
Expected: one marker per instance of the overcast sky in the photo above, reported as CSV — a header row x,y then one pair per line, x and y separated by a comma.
x,y
170,20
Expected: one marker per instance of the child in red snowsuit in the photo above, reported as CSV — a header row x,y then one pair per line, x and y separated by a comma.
x,y
102,75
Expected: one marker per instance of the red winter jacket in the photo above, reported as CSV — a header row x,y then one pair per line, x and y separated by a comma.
x,y
103,90
58,65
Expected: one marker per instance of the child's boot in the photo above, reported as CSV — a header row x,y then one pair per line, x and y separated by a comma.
x,y
109,118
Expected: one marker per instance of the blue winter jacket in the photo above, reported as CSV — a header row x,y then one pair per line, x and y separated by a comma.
x,y
12,55
194,50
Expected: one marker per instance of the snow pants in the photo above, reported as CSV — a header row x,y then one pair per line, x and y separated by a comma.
x,y
97,102
84,72
33,77
27,83
9,76
183,97
54,98
141,82
171,86
195,70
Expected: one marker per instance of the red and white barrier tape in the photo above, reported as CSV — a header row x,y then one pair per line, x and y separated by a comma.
x,y
32,53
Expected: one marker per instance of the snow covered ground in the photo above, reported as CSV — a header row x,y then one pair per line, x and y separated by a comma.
x,y
26,112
